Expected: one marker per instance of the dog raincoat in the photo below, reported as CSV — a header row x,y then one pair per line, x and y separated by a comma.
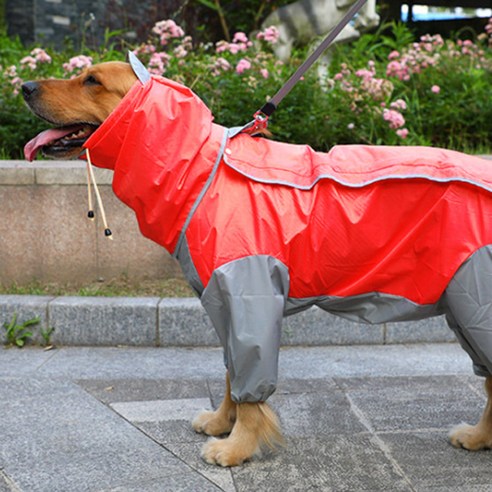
x,y
264,229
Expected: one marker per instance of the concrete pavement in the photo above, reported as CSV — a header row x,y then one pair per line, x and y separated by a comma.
x,y
366,417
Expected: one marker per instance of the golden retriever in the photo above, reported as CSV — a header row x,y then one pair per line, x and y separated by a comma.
x,y
79,106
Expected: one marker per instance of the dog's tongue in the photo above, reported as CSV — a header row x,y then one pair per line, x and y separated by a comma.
x,y
31,148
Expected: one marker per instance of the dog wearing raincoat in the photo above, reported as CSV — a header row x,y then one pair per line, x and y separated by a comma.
x,y
264,229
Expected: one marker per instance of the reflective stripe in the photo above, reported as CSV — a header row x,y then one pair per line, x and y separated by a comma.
x,y
206,186
361,184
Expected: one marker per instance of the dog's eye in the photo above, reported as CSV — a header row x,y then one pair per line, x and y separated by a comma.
x,y
91,80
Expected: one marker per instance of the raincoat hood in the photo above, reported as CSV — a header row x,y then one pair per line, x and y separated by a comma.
x,y
161,143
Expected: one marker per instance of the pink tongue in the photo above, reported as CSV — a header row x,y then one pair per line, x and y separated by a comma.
x,y
31,148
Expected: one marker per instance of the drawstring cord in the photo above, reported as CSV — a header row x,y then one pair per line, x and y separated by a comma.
x,y
90,213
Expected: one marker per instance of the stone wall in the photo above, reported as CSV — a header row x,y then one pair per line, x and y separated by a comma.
x,y
45,234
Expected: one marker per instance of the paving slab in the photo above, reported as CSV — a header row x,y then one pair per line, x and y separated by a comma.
x,y
187,363
77,443
5,483
365,418
420,402
431,464
332,463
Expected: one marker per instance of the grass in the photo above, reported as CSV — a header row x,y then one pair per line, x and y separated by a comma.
x,y
121,287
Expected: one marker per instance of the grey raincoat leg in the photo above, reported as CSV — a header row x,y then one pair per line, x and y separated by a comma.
x,y
468,299
245,300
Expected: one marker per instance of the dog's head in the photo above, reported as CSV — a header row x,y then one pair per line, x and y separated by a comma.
x,y
76,107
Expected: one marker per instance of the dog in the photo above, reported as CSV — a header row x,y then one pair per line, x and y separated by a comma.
x,y
264,229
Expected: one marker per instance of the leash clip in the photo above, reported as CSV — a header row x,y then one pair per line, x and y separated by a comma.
x,y
259,123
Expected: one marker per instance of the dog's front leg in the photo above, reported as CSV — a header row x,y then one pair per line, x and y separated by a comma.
x,y
476,437
256,427
222,420
245,300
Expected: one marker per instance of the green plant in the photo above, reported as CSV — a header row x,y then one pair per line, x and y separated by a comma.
x,y
17,334
385,88
46,335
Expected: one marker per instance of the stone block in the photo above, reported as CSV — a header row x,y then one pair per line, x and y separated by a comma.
x,y
184,322
317,327
68,173
425,330
16,173
104,321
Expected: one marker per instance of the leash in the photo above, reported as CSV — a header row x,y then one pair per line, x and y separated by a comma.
x,y
260,121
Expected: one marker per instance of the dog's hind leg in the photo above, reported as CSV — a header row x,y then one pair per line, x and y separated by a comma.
x,y
469,313
476,437
256,427
222,420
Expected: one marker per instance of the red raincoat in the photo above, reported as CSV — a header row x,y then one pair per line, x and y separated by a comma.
x,y
397,220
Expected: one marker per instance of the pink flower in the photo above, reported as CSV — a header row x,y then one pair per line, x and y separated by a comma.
x,y
264,73
270,35
240,43
29,61
221,64
221,46
243,65
77,63
158,63
16,82
402,133
399,104
435,89
394,54
11,71
240,37
146,49
166,30
40,55
180,51
394,118
364,74
398,69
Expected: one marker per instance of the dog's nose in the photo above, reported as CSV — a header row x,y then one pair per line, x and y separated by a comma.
x,y
28,89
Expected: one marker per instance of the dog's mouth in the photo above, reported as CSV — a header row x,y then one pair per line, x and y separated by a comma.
x,y
59,143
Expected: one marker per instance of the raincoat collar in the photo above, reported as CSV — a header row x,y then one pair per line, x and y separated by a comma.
x,y
162,144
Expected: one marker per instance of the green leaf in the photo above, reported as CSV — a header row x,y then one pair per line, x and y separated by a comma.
x,y
208,4
30,322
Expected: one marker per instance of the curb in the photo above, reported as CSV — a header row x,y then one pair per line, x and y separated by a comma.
x,y
182,322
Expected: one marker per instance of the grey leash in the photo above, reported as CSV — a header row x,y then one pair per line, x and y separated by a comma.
x,y
261,116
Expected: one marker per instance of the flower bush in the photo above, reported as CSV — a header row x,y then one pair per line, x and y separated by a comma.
x,y
385,88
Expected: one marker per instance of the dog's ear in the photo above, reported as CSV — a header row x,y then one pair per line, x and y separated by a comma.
x,y
138,67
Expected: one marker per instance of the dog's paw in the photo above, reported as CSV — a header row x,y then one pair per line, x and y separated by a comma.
x,y
212,424
225,452
470,437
